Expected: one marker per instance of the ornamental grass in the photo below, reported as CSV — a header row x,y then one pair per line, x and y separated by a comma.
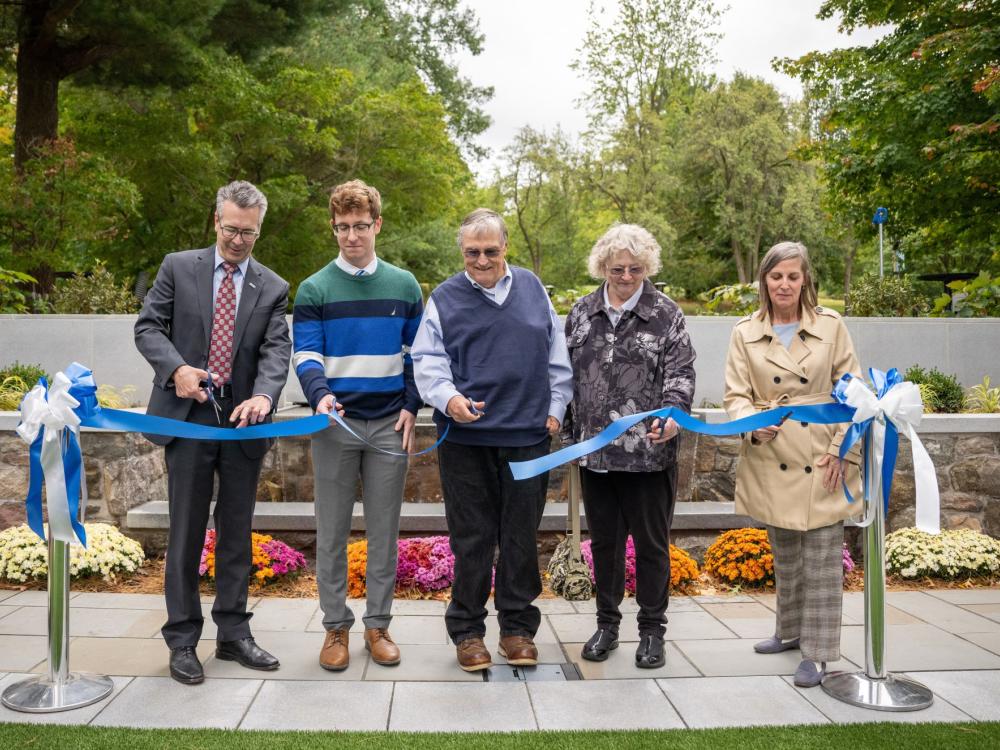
x,y
956,553
741,556
683,568
271,560
108,554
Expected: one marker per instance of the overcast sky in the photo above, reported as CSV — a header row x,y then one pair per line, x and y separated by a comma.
x,y
531,43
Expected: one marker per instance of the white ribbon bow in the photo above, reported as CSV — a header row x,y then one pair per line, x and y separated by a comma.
x,y
52,415
902,406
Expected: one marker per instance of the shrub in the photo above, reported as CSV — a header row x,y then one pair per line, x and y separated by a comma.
x,y
886,297
97,293
271,558
24,557
957,553
940,392
425,564
12,299
981,399
978,297
29,374
731,299
741,556
683,568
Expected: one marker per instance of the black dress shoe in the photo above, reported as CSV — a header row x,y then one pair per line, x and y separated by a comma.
x,y
649,654
247,653
185,666
600,645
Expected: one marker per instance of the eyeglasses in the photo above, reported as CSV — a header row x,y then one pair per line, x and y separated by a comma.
x,y
618,271
491,253
359,229
247,235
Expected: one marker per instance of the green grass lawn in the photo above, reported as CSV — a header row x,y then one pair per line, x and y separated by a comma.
x,y
852,737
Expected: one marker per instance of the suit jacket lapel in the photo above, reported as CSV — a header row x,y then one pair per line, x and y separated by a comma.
x,y
204,270
248,301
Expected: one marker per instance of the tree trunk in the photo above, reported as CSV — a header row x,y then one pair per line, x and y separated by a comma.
x,y
848,269
741,271
37,104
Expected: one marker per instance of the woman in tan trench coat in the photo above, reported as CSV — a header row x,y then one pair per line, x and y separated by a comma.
x,y
792,352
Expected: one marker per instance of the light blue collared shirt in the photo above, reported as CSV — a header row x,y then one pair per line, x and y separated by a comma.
x,y
615,314
432,365
347,267
220,274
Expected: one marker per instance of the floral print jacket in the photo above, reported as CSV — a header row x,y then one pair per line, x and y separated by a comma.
x,y
645,362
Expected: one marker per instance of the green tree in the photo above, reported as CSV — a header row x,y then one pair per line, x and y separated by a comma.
x,y
151,41
538,184
912,122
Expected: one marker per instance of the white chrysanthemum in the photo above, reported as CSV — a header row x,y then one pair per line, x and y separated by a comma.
x,y
23,555
954,553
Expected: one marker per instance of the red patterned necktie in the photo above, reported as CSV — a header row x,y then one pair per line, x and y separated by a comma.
x,y
220,351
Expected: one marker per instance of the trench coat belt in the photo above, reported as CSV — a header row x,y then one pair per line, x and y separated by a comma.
x,y
785,400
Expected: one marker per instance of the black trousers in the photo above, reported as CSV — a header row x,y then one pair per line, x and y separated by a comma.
x,y
486,510
617,504
191,469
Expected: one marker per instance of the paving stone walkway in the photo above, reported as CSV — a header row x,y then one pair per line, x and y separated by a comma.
x,y
949,640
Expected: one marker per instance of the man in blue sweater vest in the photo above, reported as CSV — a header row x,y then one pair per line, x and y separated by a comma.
x,y
353,324
490,357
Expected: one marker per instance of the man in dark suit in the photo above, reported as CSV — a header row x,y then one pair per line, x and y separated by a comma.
x,y
213,329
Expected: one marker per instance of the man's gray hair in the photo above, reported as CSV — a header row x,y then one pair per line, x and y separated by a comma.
x,y
480,221
632,237
244,195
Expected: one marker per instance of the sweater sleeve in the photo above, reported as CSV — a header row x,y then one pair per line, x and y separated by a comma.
x,y
308,335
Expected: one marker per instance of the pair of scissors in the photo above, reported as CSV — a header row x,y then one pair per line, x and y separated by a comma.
x,y
472,408
211,398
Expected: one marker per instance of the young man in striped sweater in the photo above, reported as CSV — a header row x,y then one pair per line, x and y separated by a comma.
x,y
354,322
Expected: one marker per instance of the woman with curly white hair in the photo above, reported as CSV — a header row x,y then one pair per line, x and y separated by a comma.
x,y
630,353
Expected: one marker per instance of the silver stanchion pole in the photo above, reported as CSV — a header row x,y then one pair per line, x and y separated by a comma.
x,y
60,689
876,688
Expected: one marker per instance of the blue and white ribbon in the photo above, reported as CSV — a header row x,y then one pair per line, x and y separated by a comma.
x,y
50,426
51,418
895,406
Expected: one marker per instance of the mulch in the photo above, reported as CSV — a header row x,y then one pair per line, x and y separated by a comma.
x,y
149,580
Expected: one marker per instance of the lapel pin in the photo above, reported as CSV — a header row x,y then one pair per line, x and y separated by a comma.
x,y
252,285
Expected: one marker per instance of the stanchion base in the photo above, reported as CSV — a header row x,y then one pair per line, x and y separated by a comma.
x,y
890,694
40,695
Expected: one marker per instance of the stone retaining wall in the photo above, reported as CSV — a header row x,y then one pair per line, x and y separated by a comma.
x,y
124,471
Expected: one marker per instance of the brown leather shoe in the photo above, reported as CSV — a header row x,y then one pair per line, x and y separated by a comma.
x,y
334,655
383,650
473,655
518,650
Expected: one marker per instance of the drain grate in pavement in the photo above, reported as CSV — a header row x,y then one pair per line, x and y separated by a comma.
x,y
538,673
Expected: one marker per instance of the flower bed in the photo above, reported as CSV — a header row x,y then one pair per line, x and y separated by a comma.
x,y
425,565
683,568
272,558
957,553
24,556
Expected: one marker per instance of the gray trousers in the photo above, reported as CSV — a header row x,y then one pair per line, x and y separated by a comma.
x,y
809,577
338,460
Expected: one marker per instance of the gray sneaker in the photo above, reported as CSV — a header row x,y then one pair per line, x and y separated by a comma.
x,y
774,645
807,675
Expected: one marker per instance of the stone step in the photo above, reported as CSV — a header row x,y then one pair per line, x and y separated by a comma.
x,y
429,517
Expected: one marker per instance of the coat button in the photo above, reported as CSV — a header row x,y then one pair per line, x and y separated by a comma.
x,y
777,379
802,337
809,469
783,467
803,380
